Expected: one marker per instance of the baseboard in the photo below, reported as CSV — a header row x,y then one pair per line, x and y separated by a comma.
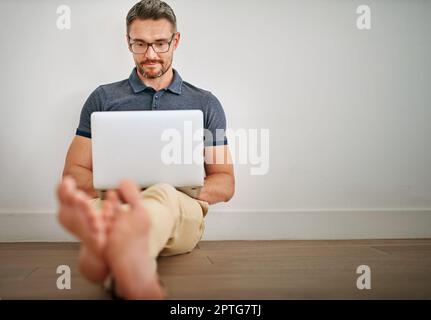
x,y
255,225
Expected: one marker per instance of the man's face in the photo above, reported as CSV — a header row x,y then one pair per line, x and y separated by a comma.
x,y
152,64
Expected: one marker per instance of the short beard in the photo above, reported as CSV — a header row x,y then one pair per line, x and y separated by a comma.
x,y
151,76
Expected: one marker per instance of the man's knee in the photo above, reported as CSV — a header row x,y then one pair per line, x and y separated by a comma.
x,y
161,191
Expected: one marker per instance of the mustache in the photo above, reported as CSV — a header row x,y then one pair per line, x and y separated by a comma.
x,y
151,61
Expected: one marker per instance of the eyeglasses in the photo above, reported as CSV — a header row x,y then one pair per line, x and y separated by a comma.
x,y
141,47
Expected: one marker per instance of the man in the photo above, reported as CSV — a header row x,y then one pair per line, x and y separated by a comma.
x,y
122,235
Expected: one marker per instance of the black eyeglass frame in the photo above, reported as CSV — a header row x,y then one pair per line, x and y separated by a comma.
x,y
150,45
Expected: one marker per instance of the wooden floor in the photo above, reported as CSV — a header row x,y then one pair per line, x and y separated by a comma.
x,y
400,269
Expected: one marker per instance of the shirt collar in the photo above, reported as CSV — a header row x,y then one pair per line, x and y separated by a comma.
x,y
138,85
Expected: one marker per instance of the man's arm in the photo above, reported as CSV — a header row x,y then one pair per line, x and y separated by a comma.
x,y
79,164
219,185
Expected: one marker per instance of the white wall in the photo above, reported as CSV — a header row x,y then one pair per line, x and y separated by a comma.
x,y
348,111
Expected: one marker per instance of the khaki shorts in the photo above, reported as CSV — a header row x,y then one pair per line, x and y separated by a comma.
x,y
177,220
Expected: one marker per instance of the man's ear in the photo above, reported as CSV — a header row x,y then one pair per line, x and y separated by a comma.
x,y
177,40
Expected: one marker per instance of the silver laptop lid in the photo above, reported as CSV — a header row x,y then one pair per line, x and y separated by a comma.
x,y
147,147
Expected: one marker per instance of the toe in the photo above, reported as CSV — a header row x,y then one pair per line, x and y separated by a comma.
x,y
63,191
113,198
82,203
107,209
130,193
68,190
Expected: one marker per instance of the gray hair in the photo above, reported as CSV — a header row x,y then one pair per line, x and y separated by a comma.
x,y
153,10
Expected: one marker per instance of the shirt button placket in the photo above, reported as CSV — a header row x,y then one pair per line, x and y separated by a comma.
x,y
155,101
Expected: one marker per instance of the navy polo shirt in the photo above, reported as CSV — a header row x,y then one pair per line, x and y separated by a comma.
x,y
132,94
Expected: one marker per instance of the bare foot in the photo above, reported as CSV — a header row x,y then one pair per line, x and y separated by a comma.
x,y
77,215
127,251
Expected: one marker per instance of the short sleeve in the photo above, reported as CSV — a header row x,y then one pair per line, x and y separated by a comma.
x,y
215,123
94,103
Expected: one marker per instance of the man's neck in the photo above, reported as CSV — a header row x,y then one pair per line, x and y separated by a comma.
x,y
158,83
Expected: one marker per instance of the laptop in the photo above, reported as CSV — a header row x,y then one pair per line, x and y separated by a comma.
x,y
148,147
